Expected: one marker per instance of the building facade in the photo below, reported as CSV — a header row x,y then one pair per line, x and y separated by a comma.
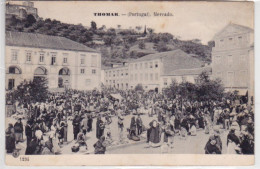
x,y
233,58
117,76
184,75
21,11
64,63
149,70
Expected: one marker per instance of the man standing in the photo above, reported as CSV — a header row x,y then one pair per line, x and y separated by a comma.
x,y
18,131
139,124
29,131
76,126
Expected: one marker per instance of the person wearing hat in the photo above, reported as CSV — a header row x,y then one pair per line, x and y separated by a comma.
x,y
29,131
10,139
232,142
18,131
217,137
212,147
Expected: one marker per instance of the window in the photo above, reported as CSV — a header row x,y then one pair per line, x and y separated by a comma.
x,y
93,71
88,82
141,77
14,55
183,79
82,60
151,77
28,56
141,65
10,84
219,75
146,76
41,57
230,59
131,77
146,65
65,60
131,66
82,71
242,58
243,78
240,40
94,60
135,66
165,81
156,76
151,64
136,77
156,65
217,58
196,79
230,79
53,60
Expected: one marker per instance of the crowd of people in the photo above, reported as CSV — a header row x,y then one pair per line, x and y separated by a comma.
x,y
46,122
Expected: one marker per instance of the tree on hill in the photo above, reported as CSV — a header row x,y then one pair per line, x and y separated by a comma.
x,y
141,45
161,47
93,25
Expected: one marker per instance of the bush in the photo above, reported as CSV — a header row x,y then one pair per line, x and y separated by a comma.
x,y
139,87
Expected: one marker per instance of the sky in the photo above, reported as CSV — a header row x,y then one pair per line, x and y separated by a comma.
x,y
191,20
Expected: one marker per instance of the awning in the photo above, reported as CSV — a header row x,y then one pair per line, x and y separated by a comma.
x,y
117,96
242,92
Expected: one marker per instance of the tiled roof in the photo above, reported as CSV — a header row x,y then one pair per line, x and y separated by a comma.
x,y
195,71
43,41
236,28
159,55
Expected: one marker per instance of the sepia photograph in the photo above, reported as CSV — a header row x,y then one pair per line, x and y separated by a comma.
x,y
118,82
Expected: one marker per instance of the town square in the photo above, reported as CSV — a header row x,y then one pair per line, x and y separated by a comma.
x,y
81,90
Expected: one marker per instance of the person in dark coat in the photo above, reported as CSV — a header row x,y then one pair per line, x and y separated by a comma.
x,y
211,146
76,126
10,139
90,121
29,131
247,143
18,131
154,134
100,147
139,124
31,148
133,127
100,126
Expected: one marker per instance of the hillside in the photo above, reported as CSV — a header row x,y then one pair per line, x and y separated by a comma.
x,y
115,44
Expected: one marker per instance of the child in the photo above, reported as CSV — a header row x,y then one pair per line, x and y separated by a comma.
x,y
100,147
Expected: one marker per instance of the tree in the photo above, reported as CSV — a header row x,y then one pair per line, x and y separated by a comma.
x,y
209,89
141,45
138,28
139,87
32,91
161,47
93,25
150,30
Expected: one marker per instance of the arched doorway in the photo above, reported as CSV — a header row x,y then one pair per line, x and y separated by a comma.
x,y
40,72
64,78
13,74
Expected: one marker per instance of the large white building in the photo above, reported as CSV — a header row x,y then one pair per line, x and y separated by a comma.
x,y
63,62
150,70
233,58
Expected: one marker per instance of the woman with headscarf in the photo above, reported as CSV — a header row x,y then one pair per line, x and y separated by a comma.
x,y
232,142
100,147
100,126
10,139
133,127
211,146
154,134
